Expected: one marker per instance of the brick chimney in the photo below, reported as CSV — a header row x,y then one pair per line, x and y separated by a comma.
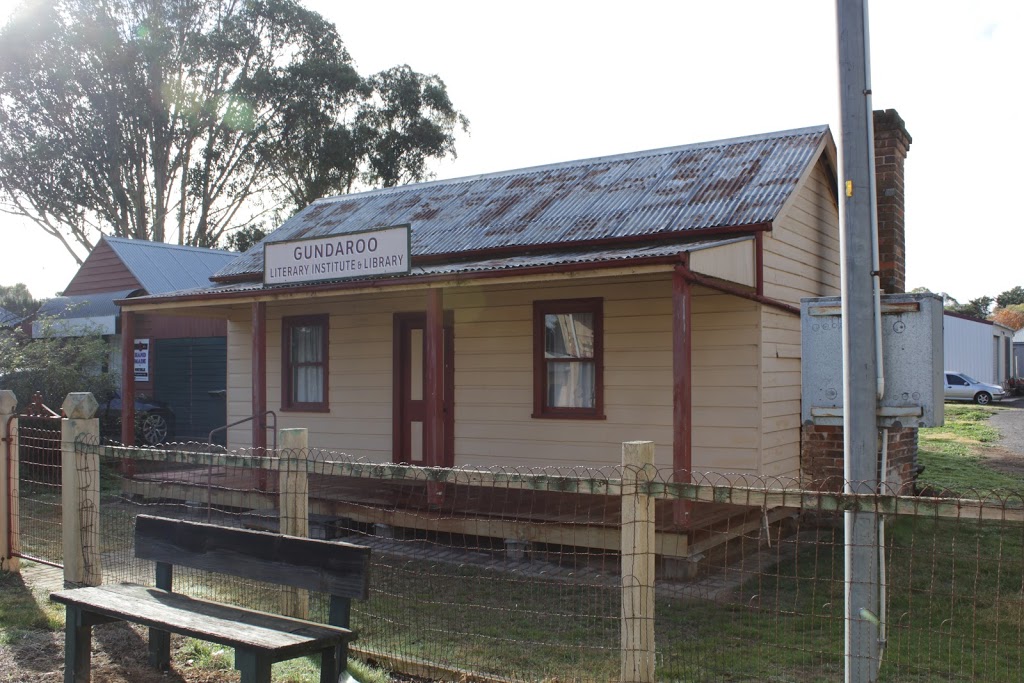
x,y
892,142
821,448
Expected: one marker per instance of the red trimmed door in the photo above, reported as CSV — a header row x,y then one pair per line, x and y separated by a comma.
x,y
409,406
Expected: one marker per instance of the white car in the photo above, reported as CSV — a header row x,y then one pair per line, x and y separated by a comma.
x,y
961,387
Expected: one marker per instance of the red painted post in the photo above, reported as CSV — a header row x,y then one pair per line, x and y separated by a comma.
x,y
759,262
682,389
433,424
128,380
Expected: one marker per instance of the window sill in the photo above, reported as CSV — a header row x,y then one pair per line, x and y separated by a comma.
x,y
568,416
305,409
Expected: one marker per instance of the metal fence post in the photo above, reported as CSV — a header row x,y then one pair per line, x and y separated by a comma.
x,y
294,487
9,482
637,632
80,483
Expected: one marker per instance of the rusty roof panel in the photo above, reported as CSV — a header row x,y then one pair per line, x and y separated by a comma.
x,y
672,191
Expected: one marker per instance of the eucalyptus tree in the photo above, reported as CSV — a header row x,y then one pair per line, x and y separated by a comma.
x,y
18,300
1011,297
185,119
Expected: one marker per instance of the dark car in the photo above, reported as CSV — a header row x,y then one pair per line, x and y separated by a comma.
x,y
154,420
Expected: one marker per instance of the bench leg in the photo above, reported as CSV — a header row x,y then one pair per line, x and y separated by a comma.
x,y
77,647
254,666
329,665
159,649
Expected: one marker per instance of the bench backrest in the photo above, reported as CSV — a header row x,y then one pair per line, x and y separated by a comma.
x,y
340,569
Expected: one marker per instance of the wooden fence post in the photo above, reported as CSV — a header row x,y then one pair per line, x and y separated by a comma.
x,y
80,490
637,633
9,541
293,445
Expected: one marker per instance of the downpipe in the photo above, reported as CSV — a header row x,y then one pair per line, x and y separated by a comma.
x,y
876,283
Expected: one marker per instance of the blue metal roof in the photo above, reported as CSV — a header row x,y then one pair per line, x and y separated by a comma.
x,y
84,305
658,194
9,319
161,267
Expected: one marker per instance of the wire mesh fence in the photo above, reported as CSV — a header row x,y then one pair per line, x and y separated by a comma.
x,y
38,489
512,574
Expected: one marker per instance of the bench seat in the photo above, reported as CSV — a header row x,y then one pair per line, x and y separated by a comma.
x,y
274,636
340,570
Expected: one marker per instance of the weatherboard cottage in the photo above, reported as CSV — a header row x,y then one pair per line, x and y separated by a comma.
x,y
541,317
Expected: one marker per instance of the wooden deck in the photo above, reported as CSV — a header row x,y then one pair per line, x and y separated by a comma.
x,y
554,518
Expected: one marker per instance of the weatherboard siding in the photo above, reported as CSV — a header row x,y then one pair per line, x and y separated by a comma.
x,y
102,271
152,326
801,253
494,376
801,259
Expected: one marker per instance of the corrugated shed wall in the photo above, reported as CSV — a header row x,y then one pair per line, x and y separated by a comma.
x,y
969,348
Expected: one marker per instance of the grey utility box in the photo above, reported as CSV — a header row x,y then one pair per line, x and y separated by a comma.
x,y
912,360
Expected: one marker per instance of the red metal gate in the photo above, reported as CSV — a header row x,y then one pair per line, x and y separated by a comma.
x,y
35,493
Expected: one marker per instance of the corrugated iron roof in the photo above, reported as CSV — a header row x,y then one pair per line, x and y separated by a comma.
x,y
83,305
162,267
659,193
9,319
606,257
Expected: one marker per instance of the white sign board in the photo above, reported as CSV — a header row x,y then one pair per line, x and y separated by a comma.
x,y
384,251
141,353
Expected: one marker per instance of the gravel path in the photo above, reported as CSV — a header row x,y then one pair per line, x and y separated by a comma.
x,y
1010,424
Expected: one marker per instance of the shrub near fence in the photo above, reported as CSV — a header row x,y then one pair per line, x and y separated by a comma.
x,y
510,576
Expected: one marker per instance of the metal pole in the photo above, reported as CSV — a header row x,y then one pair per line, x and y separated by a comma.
x,y
859,362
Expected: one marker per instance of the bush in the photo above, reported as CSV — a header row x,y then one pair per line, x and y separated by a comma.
x,y
55,365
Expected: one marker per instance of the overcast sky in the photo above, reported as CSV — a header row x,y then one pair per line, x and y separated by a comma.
x,y
543,82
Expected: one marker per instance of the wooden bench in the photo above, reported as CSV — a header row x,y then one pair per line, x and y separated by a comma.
x,y
259,638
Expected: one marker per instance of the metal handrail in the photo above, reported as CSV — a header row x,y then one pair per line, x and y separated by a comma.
x,y
209,474
226,427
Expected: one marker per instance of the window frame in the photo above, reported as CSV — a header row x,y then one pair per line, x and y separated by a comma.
x,y
288,323
541,309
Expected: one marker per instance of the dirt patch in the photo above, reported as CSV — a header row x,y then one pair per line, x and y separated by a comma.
x,y
1009,421
119,653
1007,455
1003,460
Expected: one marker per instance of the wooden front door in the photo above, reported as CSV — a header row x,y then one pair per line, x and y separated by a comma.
x,y
409,397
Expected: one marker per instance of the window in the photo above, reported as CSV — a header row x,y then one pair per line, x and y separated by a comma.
x,y
304,351
567,359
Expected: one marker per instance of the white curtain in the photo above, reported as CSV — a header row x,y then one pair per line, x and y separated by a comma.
x,y
307,364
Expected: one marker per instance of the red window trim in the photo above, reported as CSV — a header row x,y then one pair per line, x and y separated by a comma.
x,y
287,323
540,376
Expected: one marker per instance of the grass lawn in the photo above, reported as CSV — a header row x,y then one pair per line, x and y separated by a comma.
x,y
954,454
955,606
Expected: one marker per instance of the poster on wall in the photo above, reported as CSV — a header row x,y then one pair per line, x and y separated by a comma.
x,y
141,360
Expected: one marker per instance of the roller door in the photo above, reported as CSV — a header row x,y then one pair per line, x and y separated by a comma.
x,y
190,375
